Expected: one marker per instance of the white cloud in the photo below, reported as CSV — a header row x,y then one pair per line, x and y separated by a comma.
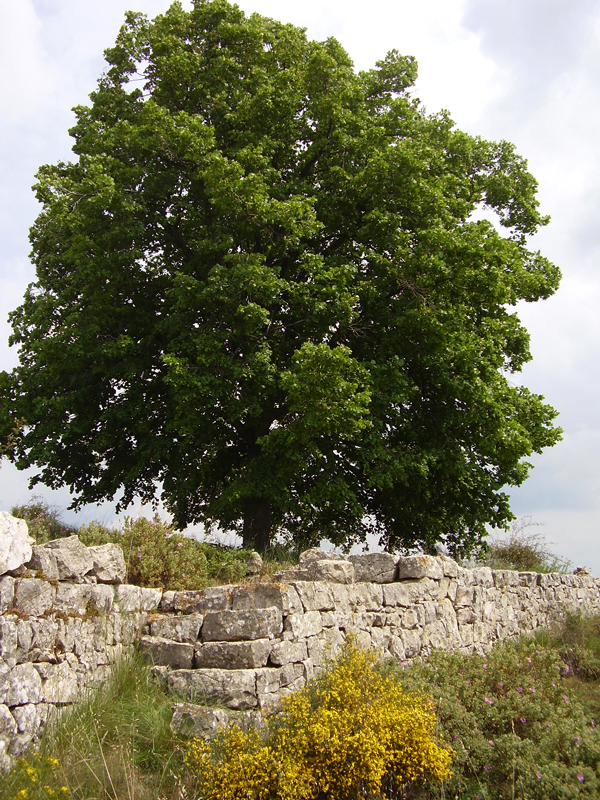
x,y
25,83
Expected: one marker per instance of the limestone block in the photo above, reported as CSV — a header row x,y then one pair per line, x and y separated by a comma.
x,y
24,640
464,596
483,576
465,576
200,722
288,652
303,625
292,575
408,593
215,598
270,703
233,655
288,675
20,744
366,595
412,643
23,685
73,558
44,632
165,653
318,555
178,629
434,637
27,718
103,597
8,726
254,564
7,593
396,648
8,640
235,688
265,595
72,598
330,570
466,633
268,679
128,597
109,563
419,566
449,566
528,579
43,560
15,543
150,599
340,598
235,626
320,596
34,596
410,619
375,567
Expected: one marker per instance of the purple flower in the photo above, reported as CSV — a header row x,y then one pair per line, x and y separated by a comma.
x,y
567,670
500,685
520,689
467,681
179,544
183,574
487,700
491,744
528,659
524,720
539,776
593,724
576,739
486,767
532,689
454,738
580,777
485,666
565,698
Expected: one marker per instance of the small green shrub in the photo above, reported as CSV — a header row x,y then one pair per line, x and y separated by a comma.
x,y
351,733
158,555
517,727
43,520
522,551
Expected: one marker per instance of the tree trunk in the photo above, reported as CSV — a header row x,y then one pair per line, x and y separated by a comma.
x,y
257,526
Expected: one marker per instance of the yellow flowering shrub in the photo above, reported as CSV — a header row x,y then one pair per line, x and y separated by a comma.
x,y
349,733
36,778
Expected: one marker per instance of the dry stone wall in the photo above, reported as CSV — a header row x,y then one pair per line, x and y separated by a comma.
x,y
66,614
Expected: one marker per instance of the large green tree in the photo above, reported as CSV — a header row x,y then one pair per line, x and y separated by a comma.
x,y
266,290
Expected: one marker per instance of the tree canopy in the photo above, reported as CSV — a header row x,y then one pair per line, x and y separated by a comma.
x,y
265,290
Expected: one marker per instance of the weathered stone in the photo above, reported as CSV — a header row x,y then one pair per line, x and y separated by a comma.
x,y
43,560
232,655
292,575
109,563
200,722
23,685
318,555
128,597
27,717
234,688
286,652
102,597
265,595
367,596
319,596
254,564
73,559
33,596
150,599
178,629
7,593
449,566
235,626
15,543
333,571
304,625
165,653
8,726
215,598
72,598
375,567
419,566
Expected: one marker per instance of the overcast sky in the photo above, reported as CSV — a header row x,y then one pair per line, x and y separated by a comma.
x,y
523,70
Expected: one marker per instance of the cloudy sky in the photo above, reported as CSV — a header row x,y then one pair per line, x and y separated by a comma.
x,y
523,70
